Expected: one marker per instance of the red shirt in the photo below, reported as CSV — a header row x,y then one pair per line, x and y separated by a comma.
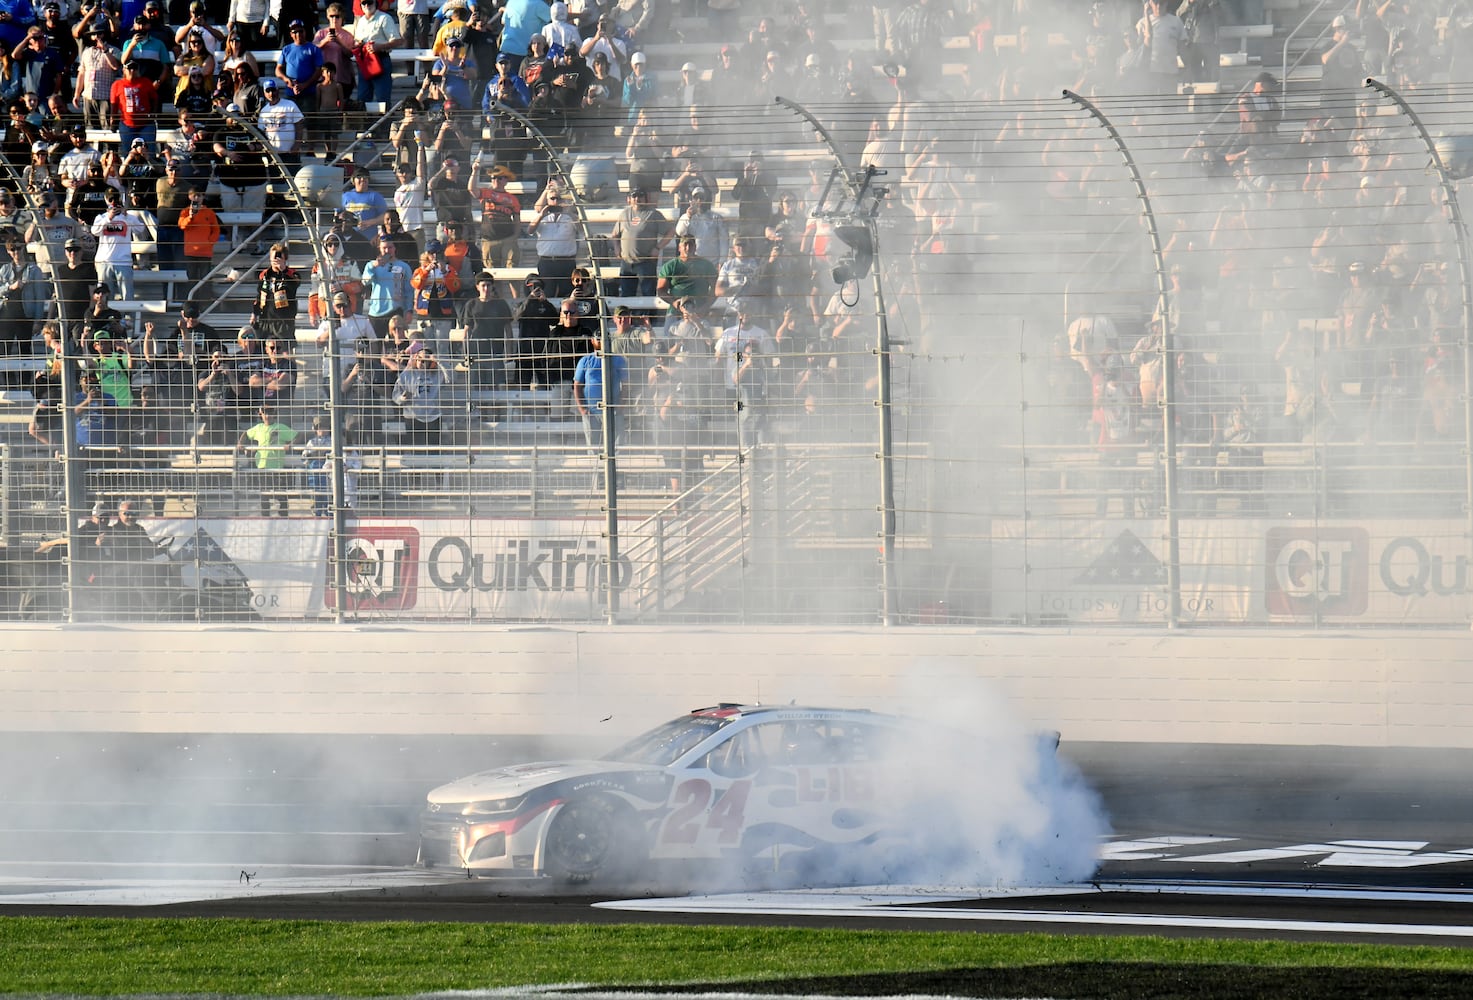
x,y
504,202
135,101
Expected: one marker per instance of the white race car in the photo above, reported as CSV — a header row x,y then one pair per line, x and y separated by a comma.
x,y
753,786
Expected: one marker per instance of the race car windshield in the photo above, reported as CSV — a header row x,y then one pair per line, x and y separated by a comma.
x,y
666,744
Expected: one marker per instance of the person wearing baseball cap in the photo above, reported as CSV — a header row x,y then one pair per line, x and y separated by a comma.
x,y
97,67
456,69
194,335
642,233
449,191
536,315
345,328
366,204
135,99
639,86
687,276
71,267
690,91
1343,71
299,70
149,47
282,121
506,87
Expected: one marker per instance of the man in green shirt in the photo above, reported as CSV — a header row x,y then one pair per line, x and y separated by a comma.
x,y
687,276
271,440
114,367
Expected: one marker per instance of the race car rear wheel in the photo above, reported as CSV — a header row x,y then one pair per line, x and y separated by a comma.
x,y
590,838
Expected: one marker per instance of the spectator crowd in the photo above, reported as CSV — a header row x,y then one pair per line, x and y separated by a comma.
x,y
162,125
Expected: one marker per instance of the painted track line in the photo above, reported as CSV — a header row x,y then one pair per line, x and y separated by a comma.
x,y
877,902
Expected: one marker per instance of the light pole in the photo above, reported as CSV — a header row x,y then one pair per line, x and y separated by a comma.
x,y
334,374
1465,270
862,238
612,583
1168,372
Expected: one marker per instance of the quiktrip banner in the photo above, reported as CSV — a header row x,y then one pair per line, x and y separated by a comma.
x,y
418,568
1233,571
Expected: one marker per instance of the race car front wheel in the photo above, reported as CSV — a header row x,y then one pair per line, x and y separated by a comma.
x,y
589,838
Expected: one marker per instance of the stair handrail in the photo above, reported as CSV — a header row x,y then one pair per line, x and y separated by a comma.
x,y
366,135
1284,62
238,250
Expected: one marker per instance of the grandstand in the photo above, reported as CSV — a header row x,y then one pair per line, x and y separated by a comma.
x,y
1244,406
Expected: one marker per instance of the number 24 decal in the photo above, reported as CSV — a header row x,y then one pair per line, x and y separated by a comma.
x,y
691,799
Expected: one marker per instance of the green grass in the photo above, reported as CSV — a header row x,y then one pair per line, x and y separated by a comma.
x,y
256,957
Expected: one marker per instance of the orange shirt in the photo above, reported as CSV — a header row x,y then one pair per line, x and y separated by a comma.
x,y
201,232
455,255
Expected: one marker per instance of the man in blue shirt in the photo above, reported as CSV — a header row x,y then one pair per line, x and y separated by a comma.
x,y
596,406
368,205
386,282
506,87
38,64
300,70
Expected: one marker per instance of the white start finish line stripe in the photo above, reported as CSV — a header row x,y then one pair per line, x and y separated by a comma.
x,y
1341,854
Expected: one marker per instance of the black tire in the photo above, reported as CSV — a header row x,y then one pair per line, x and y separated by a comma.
x,y
590,838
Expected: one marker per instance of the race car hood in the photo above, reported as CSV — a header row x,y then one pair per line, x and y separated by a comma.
x,y
519,779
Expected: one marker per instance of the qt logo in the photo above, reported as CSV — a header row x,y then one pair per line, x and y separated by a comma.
x,y
382,570
1324,571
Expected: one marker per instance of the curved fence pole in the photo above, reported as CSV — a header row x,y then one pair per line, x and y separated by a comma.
x,y
1168,366
856,180
1465,270
612,583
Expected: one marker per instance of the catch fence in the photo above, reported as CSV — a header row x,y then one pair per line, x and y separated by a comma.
x,y
1183,361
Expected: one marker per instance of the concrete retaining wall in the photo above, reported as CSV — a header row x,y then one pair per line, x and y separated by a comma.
x,y
1373,689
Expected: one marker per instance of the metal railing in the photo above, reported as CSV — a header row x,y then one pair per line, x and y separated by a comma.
x,y
238,255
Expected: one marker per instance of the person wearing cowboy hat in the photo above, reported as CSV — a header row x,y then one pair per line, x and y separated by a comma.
x,y
501,215
97,67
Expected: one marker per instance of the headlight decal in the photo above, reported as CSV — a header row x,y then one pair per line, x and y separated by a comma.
x,y
515,823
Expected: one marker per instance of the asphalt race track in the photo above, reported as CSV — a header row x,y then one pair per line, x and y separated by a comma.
x,y
1292,843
